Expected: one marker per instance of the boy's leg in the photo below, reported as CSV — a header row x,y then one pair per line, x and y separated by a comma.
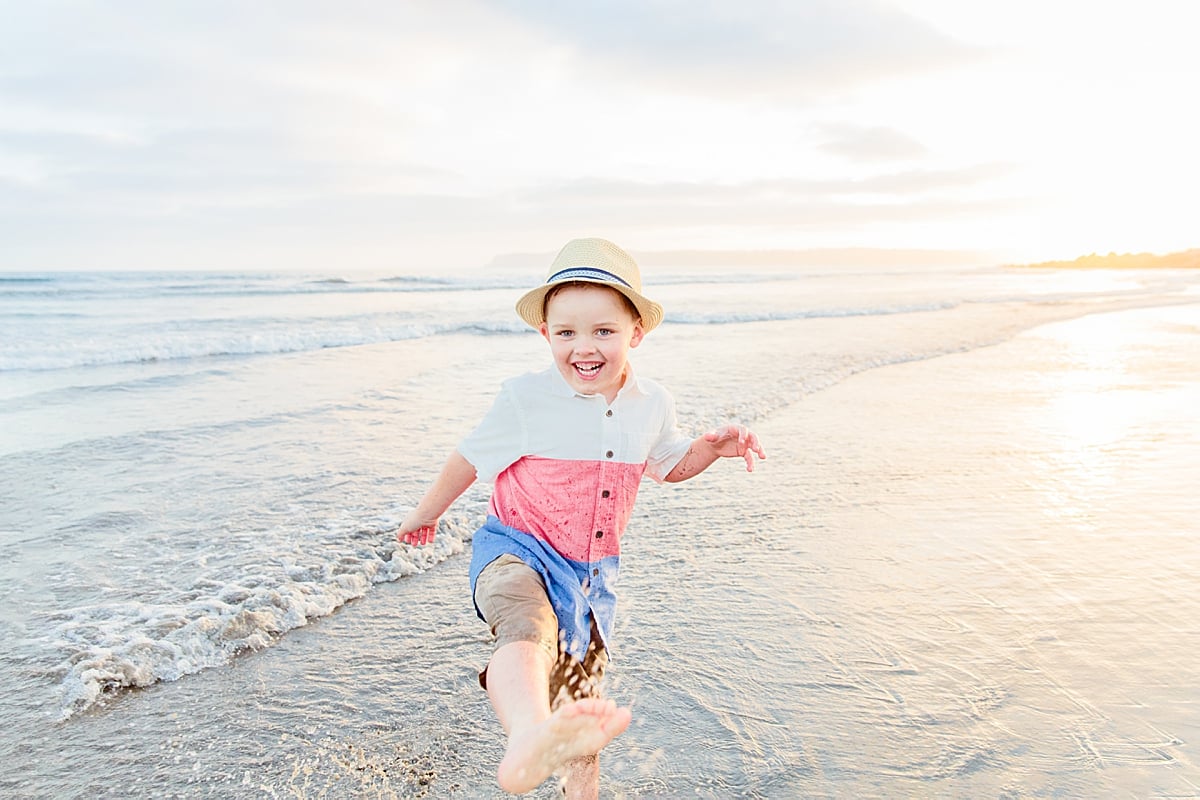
x,y
581,778
513,599
571,679
518,680
541,741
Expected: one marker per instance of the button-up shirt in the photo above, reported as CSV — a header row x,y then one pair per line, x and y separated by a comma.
x,y
566,469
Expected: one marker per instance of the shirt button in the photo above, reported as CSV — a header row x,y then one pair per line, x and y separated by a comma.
x,y
605,493
609,454
595,572
599,534
608,413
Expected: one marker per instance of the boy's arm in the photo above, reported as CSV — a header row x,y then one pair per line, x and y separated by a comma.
x,y
454,479
728,441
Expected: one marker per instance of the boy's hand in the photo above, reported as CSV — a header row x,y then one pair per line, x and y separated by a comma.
x,y
417,529
735,441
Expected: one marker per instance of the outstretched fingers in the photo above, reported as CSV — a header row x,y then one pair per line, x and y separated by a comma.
x,y
417,536
736,440
748,446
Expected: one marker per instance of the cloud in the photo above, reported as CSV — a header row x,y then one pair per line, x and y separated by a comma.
x,y
268,134
895,186
865,144
391,230
758,46
916,196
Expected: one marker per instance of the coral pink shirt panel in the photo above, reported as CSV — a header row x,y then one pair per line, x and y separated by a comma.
x,y
580,508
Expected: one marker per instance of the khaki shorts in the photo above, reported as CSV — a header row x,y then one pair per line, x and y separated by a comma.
x,y
512,598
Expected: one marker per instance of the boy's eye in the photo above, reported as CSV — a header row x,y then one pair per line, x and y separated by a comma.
x,y
604,332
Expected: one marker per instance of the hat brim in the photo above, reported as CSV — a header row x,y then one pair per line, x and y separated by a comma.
x,y
532,305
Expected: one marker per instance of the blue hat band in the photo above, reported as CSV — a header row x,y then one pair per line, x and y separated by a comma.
x,y
571,273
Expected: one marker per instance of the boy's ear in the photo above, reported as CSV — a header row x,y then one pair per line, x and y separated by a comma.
x,y
544,330
638,334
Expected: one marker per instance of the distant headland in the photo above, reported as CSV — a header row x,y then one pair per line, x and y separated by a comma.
x,y
1185,259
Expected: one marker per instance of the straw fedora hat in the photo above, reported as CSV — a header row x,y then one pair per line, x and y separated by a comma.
x,y
596,261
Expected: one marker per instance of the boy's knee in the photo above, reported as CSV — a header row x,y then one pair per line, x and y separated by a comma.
x,y
512,598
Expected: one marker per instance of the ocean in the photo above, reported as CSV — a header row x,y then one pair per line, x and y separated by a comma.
x,y
967,567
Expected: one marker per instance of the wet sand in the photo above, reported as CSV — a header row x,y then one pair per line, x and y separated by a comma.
x,y
968,576
974,577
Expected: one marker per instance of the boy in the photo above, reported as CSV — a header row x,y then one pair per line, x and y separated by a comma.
x,y
566,449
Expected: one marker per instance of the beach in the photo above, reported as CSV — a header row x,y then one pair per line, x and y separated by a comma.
x,y
966,568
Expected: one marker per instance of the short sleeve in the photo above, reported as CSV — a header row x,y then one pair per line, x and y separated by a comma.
x,y
499,439
670,447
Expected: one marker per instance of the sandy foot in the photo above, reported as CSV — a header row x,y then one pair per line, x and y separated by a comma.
x,y
577,729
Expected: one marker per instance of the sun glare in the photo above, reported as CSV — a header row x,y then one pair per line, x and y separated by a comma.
x,y
1099,404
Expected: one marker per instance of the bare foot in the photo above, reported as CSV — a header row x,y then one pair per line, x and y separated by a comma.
x,y
577,729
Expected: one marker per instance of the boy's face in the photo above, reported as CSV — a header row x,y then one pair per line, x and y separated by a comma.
x,y
591,331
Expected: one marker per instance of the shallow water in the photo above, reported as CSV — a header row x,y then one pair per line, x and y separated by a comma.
x,y
965,570
991,562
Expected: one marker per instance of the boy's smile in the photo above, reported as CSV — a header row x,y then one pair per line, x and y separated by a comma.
x,y
591,330
588,369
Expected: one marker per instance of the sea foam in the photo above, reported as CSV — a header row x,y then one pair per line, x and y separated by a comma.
x,y
127,644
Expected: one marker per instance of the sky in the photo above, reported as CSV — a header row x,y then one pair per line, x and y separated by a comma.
x,y
427,135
